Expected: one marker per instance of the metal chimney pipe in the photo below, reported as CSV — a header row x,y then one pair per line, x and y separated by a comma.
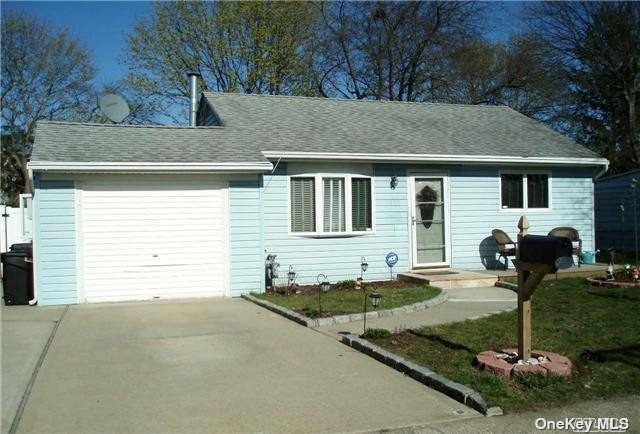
x,y
193,101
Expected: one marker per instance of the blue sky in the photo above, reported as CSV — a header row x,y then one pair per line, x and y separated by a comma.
x,y
102,25
99,25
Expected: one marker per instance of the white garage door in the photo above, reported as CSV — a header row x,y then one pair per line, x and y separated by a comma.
x,y
147,239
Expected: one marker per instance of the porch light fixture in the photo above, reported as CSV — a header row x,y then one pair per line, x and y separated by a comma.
x,y
323,287
394,182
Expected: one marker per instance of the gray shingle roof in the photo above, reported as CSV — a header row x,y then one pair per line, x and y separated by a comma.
x,y
351,126
75,142
254,124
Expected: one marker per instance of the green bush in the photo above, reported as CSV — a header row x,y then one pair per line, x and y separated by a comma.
x,y
311,313
376,334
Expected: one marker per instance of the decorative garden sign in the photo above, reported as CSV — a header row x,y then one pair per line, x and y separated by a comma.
x,y
391,259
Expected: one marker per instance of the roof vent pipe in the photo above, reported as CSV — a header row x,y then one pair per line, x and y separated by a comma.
x,y
193,101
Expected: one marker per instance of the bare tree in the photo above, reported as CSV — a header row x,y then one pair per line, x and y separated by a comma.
x,y
519,74
390,50
45,75
252,47
597,46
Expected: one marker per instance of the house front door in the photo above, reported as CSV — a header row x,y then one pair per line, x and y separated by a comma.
x,y
429,221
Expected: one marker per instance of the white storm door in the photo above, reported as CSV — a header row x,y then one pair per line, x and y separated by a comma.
x,y
429,221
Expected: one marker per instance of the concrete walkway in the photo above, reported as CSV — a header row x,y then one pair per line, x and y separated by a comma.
x,y
25,333
463,303
216,365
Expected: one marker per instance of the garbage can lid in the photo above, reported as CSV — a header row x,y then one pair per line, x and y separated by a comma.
x,y
21,247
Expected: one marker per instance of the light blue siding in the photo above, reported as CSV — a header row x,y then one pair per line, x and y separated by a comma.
x,y
245,237
55,239
338,257
475,211
615,224
259,225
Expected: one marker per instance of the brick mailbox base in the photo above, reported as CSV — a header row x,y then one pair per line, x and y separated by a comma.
x,y
504,363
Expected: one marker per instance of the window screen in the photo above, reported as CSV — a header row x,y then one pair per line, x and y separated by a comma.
x,y
361,204
538,191
511,186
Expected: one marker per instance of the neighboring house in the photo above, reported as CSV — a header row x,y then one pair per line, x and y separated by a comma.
x,y
135,212
614,211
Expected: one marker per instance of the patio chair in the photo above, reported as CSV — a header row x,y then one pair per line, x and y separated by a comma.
x,y
506,246
573,235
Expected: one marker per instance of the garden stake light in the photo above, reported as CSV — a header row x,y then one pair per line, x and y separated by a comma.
x,y
375,302
364,326
363,266
323,287
634,185
291,276
375,297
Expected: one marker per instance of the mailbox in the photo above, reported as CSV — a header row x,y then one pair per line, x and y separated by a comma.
x,y
554,251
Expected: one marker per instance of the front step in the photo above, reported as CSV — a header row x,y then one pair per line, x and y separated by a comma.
x,y
451,279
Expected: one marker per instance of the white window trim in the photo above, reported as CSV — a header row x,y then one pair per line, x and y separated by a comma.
x,y
319,205
525,197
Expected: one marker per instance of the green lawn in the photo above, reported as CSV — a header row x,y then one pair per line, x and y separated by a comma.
x,y
340,301
569,317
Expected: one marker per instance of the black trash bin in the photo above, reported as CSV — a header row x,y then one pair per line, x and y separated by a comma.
x,y
17,275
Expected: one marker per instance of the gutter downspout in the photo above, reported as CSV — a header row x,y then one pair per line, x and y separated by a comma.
x,y
598,173
34,232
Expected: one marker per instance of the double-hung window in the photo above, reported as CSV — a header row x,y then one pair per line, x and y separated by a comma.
x,y
331,204
524,190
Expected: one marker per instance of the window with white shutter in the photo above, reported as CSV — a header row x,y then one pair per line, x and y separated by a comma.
x,y
303,205
333,194
344,204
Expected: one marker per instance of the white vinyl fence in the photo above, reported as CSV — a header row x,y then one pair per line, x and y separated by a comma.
x,y
15,224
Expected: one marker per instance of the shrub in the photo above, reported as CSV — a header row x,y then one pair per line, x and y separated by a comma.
x,y
376,334
344,285
312,313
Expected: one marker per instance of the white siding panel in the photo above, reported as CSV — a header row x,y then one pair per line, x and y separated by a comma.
x,y
146,239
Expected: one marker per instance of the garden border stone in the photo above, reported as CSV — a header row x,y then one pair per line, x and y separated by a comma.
x,y
459,392
507,285
612,283
342,319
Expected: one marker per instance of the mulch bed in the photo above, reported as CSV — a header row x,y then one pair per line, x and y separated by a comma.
x,y
348,286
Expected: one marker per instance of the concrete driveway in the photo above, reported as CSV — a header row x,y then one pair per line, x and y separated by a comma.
x,y
216,365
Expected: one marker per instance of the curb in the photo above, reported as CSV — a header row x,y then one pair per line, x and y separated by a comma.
x,y
507,285
457,391
343,319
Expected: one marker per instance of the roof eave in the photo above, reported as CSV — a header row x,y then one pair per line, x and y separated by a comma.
x,y
436,158
145,167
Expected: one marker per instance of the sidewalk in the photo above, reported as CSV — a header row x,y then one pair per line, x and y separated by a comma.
x,y
463,303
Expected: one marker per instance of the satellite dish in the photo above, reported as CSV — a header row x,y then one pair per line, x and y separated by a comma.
x,y
114,107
